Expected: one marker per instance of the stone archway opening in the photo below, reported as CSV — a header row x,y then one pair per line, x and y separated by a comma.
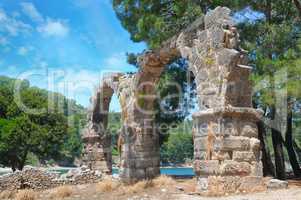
x,y
175,103
114,128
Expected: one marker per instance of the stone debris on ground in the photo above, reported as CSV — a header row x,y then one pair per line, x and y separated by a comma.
x,y
275,184
40,179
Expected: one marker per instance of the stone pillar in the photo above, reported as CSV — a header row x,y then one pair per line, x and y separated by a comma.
x,y
97,152
140,157
226,149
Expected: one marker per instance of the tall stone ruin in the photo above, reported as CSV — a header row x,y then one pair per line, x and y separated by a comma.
x,y
97,152
226,149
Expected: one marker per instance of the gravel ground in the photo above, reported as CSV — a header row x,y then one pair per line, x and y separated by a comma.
x,y
289,194
90,192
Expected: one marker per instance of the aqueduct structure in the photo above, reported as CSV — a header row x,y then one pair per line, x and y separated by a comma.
x,y
226,149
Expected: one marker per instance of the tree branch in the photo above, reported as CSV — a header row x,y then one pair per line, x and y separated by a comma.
x,y
298,6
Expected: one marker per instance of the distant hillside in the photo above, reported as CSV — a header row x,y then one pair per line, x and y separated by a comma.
x,y
68,106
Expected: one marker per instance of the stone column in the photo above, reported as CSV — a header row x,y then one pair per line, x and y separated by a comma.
x,y
97,152
140,157
226,149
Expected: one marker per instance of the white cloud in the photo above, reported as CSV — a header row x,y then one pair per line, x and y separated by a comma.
x,y
3,41
22,51
12,26
118,62
54,28
30,10
76,84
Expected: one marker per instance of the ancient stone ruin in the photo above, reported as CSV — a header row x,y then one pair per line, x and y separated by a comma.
x,y
226,149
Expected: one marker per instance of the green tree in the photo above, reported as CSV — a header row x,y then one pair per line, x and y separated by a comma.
x,y
177,149
53,133
179,146
18,137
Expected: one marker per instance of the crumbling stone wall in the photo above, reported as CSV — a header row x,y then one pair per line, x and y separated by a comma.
x,y
41,179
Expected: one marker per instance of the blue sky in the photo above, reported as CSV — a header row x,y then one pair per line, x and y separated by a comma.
x,y
63,45
67,45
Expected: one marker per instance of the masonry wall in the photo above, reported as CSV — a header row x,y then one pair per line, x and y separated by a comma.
x,y
226,149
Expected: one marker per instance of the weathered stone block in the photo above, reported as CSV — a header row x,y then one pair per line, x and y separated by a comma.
x,y
230,127
226,57
207,167
277,184
152,172
255,144
249,129
224,144
243,156
232,144
233,168
219,185
202,184
218,17
252,184
256,169
143,163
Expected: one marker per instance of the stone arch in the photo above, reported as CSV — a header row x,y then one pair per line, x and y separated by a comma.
x,y
97,153
225,126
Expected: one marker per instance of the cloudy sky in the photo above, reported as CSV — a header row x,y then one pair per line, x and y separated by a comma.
x,y
67,45
63,45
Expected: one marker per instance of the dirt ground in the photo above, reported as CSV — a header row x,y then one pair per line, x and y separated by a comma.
x,y
182,190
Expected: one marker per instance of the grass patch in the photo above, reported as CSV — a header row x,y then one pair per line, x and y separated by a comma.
x,y
6,194
163,181
62,192
26,195
107,186
139,187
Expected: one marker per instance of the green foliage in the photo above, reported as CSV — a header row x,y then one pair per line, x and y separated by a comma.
x,y
50,134
114,125
175,93
179,146
155,21
18,137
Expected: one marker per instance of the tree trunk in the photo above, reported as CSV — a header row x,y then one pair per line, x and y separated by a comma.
x,y
268,166
268,10
298,6
279,155
289,145
278,147
22,160
298,150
